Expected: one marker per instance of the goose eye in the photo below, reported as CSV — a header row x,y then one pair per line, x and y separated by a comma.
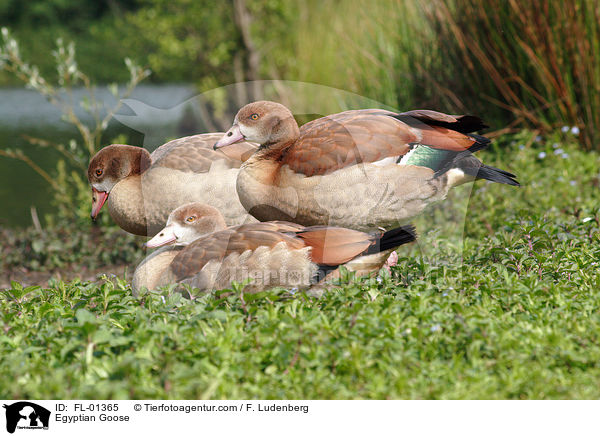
x,y
99,172
254,117
191,219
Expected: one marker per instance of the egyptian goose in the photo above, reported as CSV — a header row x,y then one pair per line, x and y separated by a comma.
x,y
359,169
141,189
200,250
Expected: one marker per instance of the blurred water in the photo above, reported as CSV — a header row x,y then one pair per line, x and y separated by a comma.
x,y
157,112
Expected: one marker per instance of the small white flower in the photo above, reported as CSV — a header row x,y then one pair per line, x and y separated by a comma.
x,y
521,146
555,145
559,151
541,155
587,219
575,130
565,155
538,138
564,129
572,183
435,328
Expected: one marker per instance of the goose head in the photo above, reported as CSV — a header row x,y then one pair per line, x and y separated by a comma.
x,y
187,223
265,122
111,165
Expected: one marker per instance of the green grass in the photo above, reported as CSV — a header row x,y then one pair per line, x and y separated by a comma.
x,y
518,317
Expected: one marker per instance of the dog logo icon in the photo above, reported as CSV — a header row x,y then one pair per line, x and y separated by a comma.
x,y
26,415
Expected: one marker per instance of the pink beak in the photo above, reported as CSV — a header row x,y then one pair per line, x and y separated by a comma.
x,y
98,200
232,136
165,237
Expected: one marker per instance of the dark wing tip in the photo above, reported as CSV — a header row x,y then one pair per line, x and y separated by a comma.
x,y
458,123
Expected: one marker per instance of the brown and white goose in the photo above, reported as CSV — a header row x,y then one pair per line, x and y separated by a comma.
x,y
198,249
359,169
141,189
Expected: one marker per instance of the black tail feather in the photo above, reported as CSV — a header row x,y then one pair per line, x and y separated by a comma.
x,y
472,166
497,175
394,238
388,241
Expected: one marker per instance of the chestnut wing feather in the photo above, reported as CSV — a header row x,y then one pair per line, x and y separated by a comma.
x,y
271,226
335,245
219,245
349,138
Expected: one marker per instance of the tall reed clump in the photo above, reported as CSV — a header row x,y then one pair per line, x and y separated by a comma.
x,y
538,61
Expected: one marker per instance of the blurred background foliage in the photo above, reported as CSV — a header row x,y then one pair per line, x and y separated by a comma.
x,y
92,25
